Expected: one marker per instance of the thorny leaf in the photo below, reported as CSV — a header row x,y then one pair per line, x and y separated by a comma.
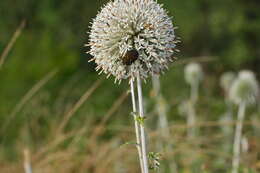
x,y
154,160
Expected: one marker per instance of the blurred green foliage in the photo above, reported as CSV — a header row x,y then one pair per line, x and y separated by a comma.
x,y
56,33
54,38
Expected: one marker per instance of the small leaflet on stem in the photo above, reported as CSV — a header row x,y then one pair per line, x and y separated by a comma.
x,y
154,160
129,143
138,118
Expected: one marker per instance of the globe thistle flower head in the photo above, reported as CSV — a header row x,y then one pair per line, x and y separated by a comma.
x,y
226,80
244,88
183,108
193,73
131,37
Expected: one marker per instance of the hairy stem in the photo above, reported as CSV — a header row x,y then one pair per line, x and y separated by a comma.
x,y
137,126
237,139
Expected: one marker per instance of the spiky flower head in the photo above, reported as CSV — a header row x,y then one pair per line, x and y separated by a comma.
x,y
244,88
226,80
131,37
193,73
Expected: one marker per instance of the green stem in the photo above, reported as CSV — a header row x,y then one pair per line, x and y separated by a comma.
x,y
237,139
143,135
137,126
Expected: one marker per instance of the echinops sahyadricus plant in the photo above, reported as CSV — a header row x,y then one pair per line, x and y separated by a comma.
x,y
244,89
243,92
193,75
133,39
161,107
226,80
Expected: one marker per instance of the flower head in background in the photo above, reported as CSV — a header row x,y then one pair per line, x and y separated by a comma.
x,y
130,37
183,108
193,74
226,80
244,88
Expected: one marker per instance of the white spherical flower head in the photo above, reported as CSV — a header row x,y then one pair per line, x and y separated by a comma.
x,y
244,88
226,80
193,73
130,37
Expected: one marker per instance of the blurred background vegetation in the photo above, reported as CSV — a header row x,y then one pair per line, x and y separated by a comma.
x,y
52,100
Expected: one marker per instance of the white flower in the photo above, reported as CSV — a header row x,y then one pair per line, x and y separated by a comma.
x,y
226,80
132,36
193,74
244,88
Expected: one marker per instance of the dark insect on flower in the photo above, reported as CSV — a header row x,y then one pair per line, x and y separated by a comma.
x,y
130,57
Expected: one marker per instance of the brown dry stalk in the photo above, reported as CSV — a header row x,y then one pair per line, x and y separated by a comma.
x,y
27,97
100,127
56,156
53,144
59,137
78,104
212,124
98,130
11,42
184,126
